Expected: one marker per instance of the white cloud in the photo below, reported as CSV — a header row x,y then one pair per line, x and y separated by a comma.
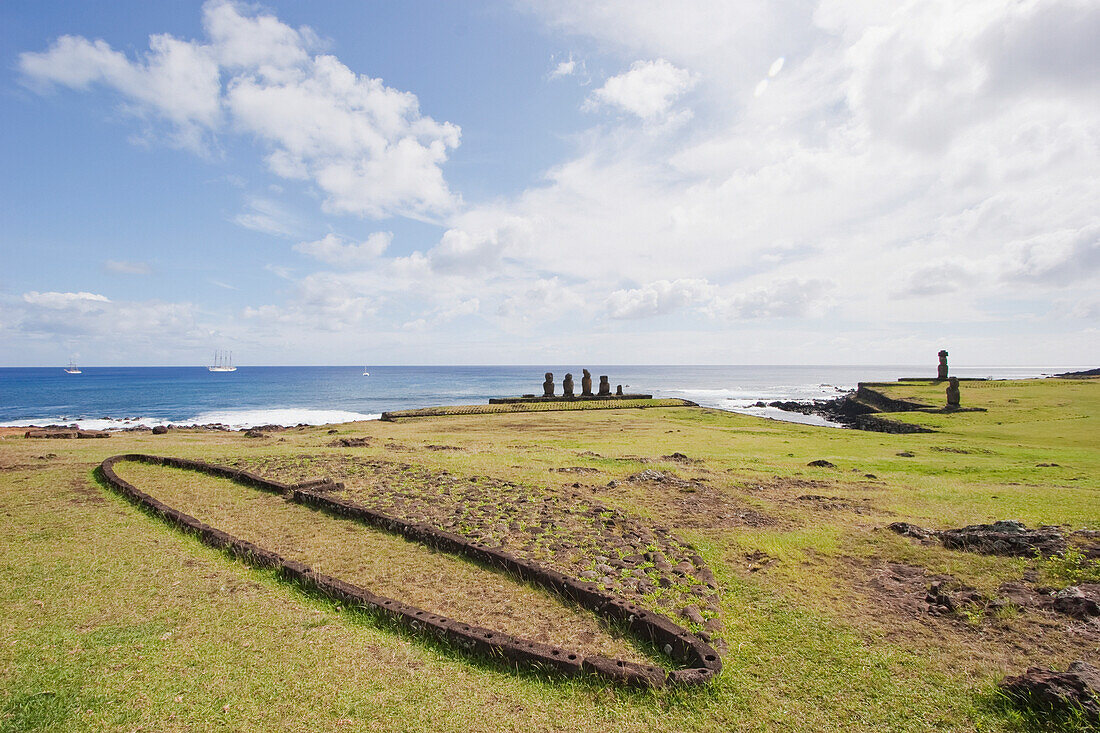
x,y
94,317
658,298
64,301
333,249
791,298
647,90
564,68
267,216
128,268
176,81
365,145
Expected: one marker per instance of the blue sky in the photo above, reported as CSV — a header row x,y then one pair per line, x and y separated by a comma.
x,y
521,182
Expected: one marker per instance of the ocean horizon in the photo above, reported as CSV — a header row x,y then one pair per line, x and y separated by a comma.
x,y
127,397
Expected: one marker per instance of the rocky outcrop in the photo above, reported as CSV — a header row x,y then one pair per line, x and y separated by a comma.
x,y
1006,537
1075,690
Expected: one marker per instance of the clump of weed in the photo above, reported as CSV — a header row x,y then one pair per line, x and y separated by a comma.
x,y
1069,568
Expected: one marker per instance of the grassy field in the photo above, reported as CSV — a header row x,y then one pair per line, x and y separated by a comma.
x,y
114,621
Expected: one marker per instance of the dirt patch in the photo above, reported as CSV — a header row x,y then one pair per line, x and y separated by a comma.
x,y
693,503
900,589
575,469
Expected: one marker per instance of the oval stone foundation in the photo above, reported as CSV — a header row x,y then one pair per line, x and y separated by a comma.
x,y
701,661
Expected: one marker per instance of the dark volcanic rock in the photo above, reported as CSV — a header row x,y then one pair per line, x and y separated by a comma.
x,y
160,430
350,442
1076,688
1004,538
1080,602
911,530
821,463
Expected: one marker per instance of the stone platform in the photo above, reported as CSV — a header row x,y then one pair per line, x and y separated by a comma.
x,y
574,398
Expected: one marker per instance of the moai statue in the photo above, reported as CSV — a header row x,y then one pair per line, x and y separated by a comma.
x,y
605,386
586,384
619,390
548,385
942,371
953,392
567,385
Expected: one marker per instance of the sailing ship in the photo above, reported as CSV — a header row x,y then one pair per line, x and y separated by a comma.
x,y
72,368
223,362
365,372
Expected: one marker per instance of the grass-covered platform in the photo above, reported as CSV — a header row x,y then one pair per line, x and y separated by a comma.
x,y
556,405
114,620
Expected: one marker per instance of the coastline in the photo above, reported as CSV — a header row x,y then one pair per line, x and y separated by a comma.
x,y
120,399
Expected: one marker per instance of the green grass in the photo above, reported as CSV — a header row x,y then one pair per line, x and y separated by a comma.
x,y
112,620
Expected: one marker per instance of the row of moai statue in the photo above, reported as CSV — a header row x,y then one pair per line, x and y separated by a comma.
x,y
586,386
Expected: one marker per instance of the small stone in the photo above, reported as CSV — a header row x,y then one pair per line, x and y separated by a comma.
x,y
821,463
691,613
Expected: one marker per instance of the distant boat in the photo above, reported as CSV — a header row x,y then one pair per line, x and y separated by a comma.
x,y
365,372
223,362
72,368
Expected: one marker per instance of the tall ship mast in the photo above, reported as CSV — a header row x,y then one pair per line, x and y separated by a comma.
x,y
72,368
223,362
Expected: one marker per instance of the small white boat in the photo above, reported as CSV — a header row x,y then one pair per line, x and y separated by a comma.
x,y
72,368
365,372
223,362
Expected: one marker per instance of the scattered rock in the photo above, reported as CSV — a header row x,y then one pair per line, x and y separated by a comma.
x,y
911,530
907,454
160,430
1046,465
66,433
821,463
940,600
575,469
254,433
1006,537
442,447
680,458
1076,689
692,614
334,431
1080,602
350,443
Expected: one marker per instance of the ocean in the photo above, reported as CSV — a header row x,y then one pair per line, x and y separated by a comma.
x,y
120,397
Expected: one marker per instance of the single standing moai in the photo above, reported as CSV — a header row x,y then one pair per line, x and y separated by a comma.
x,y
605,386
619,391
567,385
953,392
586,384
941,373
548,385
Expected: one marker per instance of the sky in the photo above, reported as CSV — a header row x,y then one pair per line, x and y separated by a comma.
x,y
555,181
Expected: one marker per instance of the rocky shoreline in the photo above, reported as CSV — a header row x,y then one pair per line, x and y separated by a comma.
x,y
847,411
